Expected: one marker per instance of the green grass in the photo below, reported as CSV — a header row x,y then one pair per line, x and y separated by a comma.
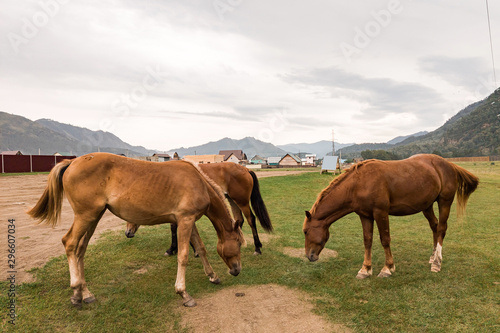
x,y
463,297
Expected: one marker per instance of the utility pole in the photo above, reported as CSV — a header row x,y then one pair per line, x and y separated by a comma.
x,y
333,143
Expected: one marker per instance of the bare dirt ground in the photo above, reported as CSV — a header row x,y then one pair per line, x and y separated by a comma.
x,y
264,308
36,244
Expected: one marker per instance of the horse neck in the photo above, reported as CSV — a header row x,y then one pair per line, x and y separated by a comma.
x,y
334,204
219,215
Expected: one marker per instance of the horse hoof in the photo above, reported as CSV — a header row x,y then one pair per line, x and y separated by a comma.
x,y
190,303
384,275
362,276
216,281
196,255
89,300
77,303
435,268
168,254
257,253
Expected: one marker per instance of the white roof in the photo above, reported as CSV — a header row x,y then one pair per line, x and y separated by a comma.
x,y
274,159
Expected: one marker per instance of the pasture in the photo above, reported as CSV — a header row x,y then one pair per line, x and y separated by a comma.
x,y
133,281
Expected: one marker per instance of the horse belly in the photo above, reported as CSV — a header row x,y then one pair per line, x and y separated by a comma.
x,y
411,204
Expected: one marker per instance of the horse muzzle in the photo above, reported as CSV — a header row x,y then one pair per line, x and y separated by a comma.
x,y
312,256
235,270
129,234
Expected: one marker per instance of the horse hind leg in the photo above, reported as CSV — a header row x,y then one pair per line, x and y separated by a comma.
x,y
75,242
382,220
173,246
444,213
433,223
253,225
238,210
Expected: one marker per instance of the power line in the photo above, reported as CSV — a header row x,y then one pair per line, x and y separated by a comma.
x,y
491,43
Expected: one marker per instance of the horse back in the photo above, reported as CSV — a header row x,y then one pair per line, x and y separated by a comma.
x,y
404,187
234,179
137,191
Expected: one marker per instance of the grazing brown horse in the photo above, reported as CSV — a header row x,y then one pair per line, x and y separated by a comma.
x,y
241,187
142,193
376,189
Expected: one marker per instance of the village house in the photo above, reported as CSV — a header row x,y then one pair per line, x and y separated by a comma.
x,y
235,156
310,159
274,160
204,159
258,160
290,160
161,157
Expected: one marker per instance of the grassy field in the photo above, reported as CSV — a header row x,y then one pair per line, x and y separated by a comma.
x,y
463,297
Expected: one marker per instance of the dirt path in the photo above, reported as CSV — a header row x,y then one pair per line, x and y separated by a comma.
x,y
264,308
36,244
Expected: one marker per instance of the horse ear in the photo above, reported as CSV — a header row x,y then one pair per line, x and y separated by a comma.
x,y
308,215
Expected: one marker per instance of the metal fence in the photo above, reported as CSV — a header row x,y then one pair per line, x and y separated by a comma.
x,y
30,163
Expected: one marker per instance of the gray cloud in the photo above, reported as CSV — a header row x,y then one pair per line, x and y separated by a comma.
x,y
381,95
465,72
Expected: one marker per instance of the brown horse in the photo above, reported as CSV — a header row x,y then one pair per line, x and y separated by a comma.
x,y
241,187
143,193
376,189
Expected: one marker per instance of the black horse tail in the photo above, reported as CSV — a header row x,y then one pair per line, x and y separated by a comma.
x,y
258,205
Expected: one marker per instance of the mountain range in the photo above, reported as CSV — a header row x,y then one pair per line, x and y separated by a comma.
x,y
48,137
475,130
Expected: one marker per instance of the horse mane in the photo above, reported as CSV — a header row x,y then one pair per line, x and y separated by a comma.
x,y
220,193
215,186
337,180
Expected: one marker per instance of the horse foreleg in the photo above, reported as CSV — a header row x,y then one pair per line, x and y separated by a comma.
x,y
184,230
382,219
433,223
200,248
366,269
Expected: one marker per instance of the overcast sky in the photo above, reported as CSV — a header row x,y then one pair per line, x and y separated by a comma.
x,y
165,74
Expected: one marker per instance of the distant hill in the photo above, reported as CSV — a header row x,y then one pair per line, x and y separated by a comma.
x,y
399,139
474,131
94,138
355,150
249,145
30,137
19,133
320,148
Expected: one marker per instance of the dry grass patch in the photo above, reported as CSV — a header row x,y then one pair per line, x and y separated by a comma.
x,y
299,253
